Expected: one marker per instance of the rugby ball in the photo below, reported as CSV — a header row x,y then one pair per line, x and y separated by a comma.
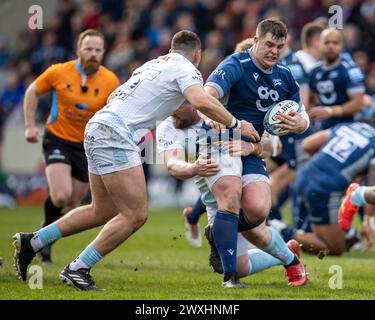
x,y
282,107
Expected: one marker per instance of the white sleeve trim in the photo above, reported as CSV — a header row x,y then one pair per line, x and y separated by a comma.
x,y
217,87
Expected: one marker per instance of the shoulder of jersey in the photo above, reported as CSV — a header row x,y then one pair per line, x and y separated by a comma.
x,y
108,72
317,66
283,68
241,57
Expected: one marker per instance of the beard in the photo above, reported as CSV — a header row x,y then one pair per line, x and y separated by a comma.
x,y
331,57
90,66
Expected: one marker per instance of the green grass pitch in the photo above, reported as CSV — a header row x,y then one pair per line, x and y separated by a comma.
x,y
157,263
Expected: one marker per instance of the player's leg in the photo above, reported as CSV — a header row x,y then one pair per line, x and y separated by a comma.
x,y
79,219
256,203
226,187
127,190
254,260
227,192
118,162
192,227
327,235
60,190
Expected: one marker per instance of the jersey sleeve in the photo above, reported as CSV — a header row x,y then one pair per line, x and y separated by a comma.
x,y
168,137
187,77
46,80
225,75
355,79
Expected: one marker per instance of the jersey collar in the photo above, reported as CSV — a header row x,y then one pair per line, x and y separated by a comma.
x,y
324,67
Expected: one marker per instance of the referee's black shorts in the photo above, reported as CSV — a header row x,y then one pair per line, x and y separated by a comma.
x,y
57,150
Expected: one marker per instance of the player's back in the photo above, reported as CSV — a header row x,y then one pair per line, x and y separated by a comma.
x,y
346,155
153,93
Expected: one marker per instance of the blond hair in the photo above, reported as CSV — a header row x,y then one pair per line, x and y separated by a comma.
x,y
244,45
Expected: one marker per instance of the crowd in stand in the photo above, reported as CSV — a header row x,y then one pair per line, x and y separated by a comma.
x,y
139,30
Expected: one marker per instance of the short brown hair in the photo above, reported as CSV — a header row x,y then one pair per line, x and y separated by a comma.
x,y
309,31
185,41
276,27
87,33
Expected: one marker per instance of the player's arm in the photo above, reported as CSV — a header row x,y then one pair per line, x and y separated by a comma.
x,y
212,108
177,167
262,149
313,143
354,105
30,105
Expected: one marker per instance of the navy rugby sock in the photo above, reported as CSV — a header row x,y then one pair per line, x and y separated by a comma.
x,y
198,209
225,235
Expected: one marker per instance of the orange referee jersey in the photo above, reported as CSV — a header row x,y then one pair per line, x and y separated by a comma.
x,y
75,97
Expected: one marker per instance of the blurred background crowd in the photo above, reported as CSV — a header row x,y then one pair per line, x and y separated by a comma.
x,y
139,30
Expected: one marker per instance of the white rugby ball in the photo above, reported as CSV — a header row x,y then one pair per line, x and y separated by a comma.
x,y
282,107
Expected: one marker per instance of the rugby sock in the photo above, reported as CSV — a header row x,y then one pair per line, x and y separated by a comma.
x,y
45,236
198,209
86,259
288,233
225,235
51,212
358,197
278,249
260,260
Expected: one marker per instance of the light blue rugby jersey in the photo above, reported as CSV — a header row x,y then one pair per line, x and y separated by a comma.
x,y
333,84
249,90
347,154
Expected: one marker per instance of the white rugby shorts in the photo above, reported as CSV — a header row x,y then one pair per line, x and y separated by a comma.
x,y
109,151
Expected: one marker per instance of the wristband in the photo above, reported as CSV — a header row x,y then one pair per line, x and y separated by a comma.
x,y
335,111
235,124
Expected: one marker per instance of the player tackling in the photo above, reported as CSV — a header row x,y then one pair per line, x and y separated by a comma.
x,y
119,197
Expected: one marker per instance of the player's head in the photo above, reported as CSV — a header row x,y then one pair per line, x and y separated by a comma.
x,y
310,35
244,45
185,116
188,44
90,50
269,42
331,44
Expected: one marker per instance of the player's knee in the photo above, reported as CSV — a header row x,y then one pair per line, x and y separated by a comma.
x,y
231,201
61,198
257,213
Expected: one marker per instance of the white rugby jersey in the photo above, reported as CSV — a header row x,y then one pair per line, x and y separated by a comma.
x,y
170,138
154,92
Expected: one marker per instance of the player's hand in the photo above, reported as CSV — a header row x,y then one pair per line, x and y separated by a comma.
x,y
205,167
238,148
293,122
367,101
248,130
218,127
318,113
32,134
